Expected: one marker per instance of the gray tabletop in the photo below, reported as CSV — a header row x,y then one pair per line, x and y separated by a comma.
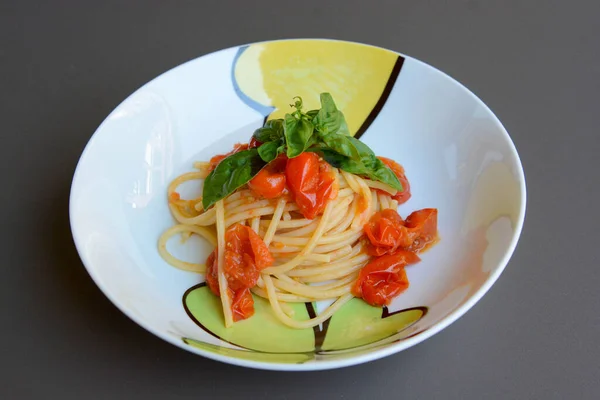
x,y
64,65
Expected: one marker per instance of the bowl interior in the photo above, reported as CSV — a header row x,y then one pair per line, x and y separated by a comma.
x,y
457,156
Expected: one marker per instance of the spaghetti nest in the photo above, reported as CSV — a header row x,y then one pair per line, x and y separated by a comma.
x,y
313,259
303,212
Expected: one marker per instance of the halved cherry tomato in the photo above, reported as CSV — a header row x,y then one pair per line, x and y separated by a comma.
x,y
245,256
220,157
270,181
424,224
384,278
242,305
404,195
386,233
312,182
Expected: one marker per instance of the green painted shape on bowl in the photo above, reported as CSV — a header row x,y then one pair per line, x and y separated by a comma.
x,y
294,358
262,332
358,324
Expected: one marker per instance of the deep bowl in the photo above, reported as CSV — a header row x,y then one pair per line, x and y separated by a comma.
x,y
457,155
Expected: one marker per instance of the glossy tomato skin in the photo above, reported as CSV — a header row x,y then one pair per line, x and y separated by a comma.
x,y
312,182
302,175
387,232
404,195
384,278
424,225
328,185
242,305
212,279
245,256
270,181
220,157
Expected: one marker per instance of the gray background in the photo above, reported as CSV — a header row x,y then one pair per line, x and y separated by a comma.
x,y
64,65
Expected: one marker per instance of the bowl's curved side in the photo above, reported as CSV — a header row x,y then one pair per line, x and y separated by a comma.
x,y
167,99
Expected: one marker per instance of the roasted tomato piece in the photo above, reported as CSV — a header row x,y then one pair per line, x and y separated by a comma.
x,y
423,224
245,256
404,195
384,278
270,181
312,182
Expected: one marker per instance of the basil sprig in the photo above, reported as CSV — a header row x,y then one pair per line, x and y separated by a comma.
x,y
322,131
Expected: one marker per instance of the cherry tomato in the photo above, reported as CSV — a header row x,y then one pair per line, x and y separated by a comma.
x,y
245,256
242,305
220,157
312,182
384,278
424,225
254,143
404,195
212,279
386,233
270,181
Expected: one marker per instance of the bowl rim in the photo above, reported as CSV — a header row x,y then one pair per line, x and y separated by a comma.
x,y
320,364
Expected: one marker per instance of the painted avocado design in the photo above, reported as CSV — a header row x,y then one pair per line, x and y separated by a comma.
x,y
263,337
263,332
358,324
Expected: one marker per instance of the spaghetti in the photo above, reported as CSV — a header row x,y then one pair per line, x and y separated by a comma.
x,y
299,230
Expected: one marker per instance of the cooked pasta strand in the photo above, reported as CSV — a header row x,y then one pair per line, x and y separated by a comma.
x,y
315,260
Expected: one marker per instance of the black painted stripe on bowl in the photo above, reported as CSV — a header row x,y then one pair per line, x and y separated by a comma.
x,y
383,98
319,334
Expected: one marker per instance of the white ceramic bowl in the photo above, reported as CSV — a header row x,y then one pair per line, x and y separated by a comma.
x,y
457,156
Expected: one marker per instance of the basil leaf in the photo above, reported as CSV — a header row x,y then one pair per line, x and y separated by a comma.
x,y
312,113
297,134
231,173
366,165
382,173
332,157
376,169
272,130
329,119
269,151
341,144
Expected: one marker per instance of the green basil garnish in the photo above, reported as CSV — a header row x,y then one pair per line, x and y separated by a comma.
x,y
272,130
323,131
341,144
270,150
330,120
231,174
368,165
297,134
